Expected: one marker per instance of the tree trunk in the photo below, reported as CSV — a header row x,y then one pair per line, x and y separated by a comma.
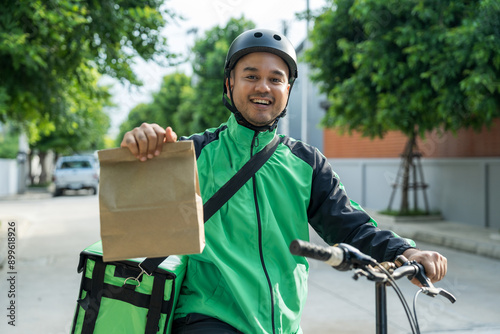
x,y
408,162
43,174
30,168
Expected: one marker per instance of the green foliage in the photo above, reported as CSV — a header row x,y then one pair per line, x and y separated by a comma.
x,y
162,110
9,142
408,65
190,108
82,125
83,130
51,49
169,98
202,107
416,212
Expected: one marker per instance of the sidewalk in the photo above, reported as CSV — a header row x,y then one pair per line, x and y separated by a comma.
x,y
30,194
472,239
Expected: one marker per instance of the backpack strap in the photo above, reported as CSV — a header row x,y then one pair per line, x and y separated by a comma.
x,y
224,193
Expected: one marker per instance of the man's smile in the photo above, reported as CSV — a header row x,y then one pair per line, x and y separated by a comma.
x,y
261,101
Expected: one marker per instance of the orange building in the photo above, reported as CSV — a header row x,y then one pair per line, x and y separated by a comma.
x,y
466,143
462,171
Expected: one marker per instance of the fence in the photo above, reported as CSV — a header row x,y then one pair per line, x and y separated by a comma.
x,y
463,190
8,177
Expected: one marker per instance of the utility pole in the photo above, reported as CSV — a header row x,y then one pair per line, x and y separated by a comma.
x,y
22,163
285,121
305,75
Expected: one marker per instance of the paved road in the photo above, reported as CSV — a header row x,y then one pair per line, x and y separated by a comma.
x,y
52,231
339,304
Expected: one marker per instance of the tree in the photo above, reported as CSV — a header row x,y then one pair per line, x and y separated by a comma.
x,y
9,142
46,45
204,102
162,109
413,66
192,107
81,127
169,98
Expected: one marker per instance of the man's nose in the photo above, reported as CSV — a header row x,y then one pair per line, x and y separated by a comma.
x,y
262,86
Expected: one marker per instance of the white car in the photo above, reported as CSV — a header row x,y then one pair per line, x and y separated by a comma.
x,y
76,172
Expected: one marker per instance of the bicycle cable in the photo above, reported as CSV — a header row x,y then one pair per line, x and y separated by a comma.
x,y
415,306
412,321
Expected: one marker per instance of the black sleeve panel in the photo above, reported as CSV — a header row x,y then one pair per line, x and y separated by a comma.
x,y
338,219
203,139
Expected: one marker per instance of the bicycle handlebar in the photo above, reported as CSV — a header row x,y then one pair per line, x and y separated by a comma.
x,y
341,256
345,257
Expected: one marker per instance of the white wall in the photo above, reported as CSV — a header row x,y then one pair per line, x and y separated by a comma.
x,y
8,177
464,190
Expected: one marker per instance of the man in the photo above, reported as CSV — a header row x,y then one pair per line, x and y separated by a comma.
x,y
246,280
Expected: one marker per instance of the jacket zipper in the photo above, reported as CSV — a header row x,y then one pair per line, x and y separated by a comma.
x,y
259,224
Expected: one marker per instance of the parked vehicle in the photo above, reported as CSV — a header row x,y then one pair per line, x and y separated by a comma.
x,y
76,172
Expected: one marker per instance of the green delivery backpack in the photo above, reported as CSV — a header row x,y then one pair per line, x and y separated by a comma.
x,y
120,298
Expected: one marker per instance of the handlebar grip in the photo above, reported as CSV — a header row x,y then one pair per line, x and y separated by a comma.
x,y
331,255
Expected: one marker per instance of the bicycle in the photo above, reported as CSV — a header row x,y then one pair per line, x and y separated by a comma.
x,y
345,257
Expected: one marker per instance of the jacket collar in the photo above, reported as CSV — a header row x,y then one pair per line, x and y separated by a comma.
x,y
244,135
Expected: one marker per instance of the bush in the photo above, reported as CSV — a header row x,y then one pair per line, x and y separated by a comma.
x,y
9,144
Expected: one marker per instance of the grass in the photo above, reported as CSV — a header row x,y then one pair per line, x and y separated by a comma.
x,y
40,185
417,212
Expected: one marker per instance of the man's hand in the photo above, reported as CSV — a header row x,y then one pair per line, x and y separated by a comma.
x,y
435,264
146,141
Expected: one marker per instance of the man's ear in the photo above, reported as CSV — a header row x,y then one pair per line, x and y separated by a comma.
x,y
229,89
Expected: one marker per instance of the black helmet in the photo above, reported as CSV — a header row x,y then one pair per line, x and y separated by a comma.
x,y
262,40
259,40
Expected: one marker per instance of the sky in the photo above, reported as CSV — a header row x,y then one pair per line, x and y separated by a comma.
x,y
204,15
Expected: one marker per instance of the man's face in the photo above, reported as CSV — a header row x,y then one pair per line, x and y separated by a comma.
x,y
260,88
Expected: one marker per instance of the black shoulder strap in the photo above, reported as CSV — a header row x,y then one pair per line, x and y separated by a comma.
x,y
225,193
239,179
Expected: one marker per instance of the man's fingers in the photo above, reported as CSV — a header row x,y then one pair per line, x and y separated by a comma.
x,y
443,268
145,141
435,264
147,137
130,142
170,135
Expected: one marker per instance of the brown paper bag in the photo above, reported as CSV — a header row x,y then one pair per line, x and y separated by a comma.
x,y
152,208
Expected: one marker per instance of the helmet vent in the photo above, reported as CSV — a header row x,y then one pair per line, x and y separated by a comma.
x,y
258,34
277,37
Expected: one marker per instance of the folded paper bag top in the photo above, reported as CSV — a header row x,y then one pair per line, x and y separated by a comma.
x,y
152,208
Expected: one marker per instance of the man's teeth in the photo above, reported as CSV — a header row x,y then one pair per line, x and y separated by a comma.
x,y
260,101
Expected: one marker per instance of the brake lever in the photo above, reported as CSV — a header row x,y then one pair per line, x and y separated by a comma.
x,y
421,276
433,292
428,288
447,295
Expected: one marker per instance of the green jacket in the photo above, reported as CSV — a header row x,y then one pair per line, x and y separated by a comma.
x,y
246,275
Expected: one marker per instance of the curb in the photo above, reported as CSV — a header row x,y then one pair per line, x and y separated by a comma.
x,y
471,239
28,195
